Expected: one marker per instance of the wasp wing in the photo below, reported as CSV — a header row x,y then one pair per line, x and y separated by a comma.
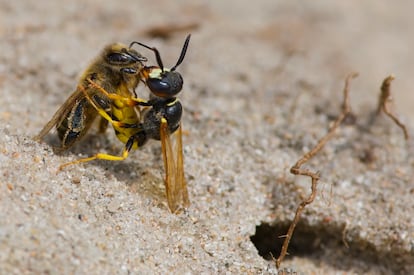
x,y
180,177
175,184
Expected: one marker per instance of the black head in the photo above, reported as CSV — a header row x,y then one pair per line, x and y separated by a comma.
x,y
164,82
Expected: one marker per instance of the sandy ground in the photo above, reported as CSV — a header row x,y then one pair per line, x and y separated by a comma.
x,y
263,81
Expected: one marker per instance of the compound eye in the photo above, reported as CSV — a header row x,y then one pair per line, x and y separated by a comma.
x,y
159,87
168,85
119,58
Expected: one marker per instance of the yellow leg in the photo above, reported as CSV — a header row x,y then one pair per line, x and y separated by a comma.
x,y
103,125
128,101
98,156
105,116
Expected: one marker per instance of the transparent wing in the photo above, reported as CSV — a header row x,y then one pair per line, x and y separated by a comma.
x,y
175,184
60,114
181,182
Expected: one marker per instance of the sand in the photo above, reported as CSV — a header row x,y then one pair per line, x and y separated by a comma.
x,y
263,82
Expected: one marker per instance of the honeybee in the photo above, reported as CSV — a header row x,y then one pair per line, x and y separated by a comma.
x,y
116,70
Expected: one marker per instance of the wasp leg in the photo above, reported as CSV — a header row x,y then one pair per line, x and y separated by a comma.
x,y
133,142
136,139
103,125
104,114
128,101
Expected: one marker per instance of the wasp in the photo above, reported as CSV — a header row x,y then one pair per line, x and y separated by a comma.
x,y
116,70
161,117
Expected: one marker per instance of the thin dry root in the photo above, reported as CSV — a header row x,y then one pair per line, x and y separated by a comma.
x,y
385,100
296,169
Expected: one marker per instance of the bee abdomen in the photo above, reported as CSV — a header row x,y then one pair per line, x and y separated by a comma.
x,y
76,124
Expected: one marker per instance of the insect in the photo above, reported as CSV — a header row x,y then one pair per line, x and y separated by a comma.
x,y
160,119
116,70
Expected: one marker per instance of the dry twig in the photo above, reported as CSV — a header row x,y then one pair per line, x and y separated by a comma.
x,y
296,169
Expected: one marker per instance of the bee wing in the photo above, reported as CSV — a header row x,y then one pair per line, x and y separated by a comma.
x,y
60,114
175,184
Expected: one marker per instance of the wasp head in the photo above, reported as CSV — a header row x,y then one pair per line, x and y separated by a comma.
x,y
164,82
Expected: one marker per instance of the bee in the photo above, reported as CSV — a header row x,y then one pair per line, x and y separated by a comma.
x,y
116,70
161,117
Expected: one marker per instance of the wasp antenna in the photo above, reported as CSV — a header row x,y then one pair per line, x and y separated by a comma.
x,y
134,57
157,53
183,52
132,43
158,57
